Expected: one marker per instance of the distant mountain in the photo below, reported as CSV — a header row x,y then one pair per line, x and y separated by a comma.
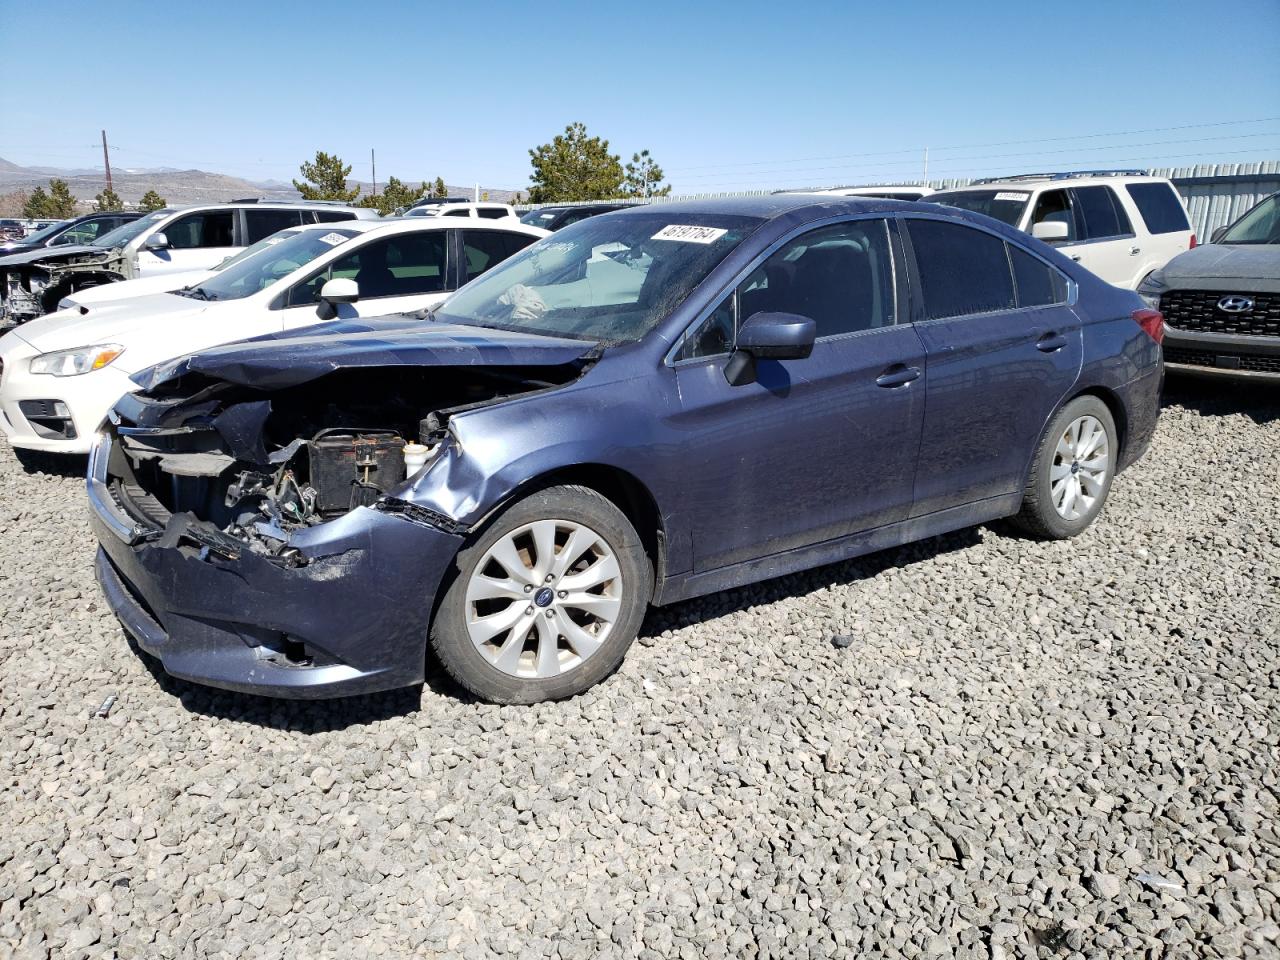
x,y
176,186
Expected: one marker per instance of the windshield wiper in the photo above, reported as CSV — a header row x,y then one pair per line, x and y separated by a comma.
x,y
195,293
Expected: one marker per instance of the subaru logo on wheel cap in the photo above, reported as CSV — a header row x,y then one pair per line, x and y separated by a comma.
x,y
1234,304
544,597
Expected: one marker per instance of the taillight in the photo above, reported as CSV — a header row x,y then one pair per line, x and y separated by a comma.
x,y
1151,322
1193,242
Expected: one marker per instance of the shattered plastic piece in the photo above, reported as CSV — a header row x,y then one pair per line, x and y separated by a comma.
x,y
104,708
1163,884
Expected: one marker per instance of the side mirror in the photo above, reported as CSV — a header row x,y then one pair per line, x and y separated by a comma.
x,y
1217,234
772,336
336,291
157,241
1050,231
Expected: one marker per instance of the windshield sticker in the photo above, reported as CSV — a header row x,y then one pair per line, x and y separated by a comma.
x,y
1009,195
333,239
687,233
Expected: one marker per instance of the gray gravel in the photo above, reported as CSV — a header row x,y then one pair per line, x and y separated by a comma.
x,y
1017,749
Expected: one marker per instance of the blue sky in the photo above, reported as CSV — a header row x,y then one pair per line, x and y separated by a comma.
x,y
725,95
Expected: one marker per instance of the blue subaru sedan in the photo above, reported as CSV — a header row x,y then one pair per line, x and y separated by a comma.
x,y
650,405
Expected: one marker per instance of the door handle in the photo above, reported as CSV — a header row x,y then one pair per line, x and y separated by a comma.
x,y
1051,343
1134,251
897,376
1075,257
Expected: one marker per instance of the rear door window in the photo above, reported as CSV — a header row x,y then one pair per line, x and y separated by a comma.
x,y
263,223
1160,207
1102,213
398,266
482,249
962,270
197,230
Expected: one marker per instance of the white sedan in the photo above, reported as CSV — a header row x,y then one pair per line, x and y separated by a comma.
x,y
61,373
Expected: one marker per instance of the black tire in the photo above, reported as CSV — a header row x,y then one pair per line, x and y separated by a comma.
x,y
451,640
1038,516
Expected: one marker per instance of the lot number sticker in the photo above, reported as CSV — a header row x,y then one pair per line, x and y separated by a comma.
x,y
687,233
1006,195
333,239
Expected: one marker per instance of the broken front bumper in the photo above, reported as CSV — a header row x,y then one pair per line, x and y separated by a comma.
x,y
352,617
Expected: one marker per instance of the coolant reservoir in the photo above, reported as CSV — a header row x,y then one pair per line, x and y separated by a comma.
x,y
415,457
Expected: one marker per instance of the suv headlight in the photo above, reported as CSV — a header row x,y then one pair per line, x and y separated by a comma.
x,y
1150,290
72,363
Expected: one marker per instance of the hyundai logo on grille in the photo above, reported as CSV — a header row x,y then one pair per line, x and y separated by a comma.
x,y
1235,304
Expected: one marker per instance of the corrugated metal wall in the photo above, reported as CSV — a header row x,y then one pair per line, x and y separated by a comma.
x,y
1215,193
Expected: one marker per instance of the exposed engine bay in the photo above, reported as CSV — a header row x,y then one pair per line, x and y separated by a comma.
x,y
230,467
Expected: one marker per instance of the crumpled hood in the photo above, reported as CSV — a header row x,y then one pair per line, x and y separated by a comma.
x,y
54,254
286,359
127,324
1226,261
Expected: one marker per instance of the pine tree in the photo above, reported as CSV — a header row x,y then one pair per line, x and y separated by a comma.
x,y
152,201
327,176
574,166
107,201
644,177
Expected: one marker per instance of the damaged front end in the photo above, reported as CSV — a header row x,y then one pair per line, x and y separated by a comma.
x,y
33,288
252,537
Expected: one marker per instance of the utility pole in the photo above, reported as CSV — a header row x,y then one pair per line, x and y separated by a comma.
x,y
374,163
106,161
926,166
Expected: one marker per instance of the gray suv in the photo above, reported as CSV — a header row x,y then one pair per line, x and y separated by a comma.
x,y
1221,301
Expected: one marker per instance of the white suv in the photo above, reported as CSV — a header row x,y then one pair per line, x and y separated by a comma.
x,y
484,210
1120,224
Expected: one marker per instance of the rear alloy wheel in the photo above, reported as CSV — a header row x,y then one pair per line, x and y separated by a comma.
x,y
1072,471
547,599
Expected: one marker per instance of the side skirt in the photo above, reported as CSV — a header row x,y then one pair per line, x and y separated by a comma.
x,y
676,589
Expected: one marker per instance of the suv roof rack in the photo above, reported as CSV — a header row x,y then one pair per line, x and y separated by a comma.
x,y
1065,175
293,203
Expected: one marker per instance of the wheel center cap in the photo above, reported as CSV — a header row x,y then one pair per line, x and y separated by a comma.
x,y
544,597
1075,466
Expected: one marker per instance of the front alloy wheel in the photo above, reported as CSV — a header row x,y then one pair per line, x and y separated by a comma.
x,y
547,598
544,598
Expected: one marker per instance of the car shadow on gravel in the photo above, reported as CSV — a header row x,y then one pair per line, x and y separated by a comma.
x,y
299,716
71,466
1217,397
865,567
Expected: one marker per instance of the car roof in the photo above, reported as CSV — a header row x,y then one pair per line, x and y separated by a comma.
x,y
414,224
1032,181
776,205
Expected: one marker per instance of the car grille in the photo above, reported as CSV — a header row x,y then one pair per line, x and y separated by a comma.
x,y
1198,310
1202,358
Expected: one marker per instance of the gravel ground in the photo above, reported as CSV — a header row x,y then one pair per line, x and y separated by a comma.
x,y
1013,749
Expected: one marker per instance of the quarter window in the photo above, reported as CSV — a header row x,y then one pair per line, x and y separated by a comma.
x,y
492,213
464,212
1102,214
962,270
1039,285
200,230
482,249
1160,207
715,335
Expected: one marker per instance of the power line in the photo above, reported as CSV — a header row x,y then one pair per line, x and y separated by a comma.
x,y
996,156
916,151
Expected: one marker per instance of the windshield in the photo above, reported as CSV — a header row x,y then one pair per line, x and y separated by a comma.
x,y
1006,205
1259,225
611,278
272,262
123,234
539,218
258,247
45,233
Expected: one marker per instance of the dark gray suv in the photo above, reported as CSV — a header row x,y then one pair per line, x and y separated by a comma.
x,y
1221,301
